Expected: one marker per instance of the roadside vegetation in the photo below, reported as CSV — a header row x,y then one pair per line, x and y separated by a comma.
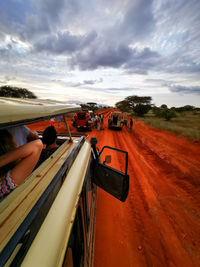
x,y
183,121
186,124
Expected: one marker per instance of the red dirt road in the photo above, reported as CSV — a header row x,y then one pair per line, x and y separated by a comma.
x,y
159,224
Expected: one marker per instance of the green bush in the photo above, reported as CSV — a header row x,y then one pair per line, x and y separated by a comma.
x,y
168,114
141,110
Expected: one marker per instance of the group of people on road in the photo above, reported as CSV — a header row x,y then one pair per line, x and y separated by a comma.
x,y
21,151
99,121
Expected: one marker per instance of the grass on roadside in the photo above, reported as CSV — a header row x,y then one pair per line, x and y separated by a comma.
x,y
186,124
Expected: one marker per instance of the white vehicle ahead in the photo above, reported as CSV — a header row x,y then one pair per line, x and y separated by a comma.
x,y
116,120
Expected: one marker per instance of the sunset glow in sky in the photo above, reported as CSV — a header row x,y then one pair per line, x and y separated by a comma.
x,y
102,50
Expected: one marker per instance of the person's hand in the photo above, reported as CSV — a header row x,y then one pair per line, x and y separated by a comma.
x,y
33,135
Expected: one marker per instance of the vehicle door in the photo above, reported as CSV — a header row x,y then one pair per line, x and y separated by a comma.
x,y
109,178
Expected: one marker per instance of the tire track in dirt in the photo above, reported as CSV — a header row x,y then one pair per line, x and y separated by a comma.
x,y
134,235
171,173
189,176
162,217
162,141
145,219
169,194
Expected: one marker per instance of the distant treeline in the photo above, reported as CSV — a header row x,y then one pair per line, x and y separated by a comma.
x,y
141,105
185,108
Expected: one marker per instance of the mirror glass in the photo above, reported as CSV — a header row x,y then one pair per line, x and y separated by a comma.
x,y
117,159
107,159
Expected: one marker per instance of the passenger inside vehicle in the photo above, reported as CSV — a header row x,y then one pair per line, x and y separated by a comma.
x,y
16,163
49,139
23,134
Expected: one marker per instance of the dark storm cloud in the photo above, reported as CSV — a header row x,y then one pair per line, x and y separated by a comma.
x,y
42,19
132,60
185,89
142,61
44,25
101,57
46,17
138,21
112,46
51,9
63,43
31,19
109,51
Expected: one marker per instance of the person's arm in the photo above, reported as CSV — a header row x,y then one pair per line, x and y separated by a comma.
x,y
19,153
33,135
27,155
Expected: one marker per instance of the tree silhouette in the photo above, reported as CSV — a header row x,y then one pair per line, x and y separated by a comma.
x,y
140,105
92,106
123,106
12,91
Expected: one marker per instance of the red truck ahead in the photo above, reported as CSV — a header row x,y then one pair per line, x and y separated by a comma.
x,y
83,120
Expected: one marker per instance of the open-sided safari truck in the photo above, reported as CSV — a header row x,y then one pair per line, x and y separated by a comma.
x,y
49,220
116,120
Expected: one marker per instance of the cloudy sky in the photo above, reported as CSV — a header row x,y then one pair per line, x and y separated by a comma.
x,y
102,50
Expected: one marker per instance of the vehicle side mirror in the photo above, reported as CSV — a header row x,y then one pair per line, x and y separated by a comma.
x,y
107,159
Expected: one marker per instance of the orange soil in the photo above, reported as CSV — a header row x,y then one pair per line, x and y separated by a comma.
x,y
159,224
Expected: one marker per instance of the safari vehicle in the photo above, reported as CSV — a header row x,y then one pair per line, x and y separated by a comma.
x,y
83,120
116,120
49,220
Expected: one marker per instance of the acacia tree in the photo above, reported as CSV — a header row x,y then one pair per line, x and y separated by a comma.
x,y
12,91
123,105
140,105
163,106
92,106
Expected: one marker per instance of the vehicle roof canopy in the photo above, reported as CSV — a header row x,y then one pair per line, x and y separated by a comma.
x,y
17,111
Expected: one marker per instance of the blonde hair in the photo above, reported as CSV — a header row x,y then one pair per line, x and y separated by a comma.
x,y
7,144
